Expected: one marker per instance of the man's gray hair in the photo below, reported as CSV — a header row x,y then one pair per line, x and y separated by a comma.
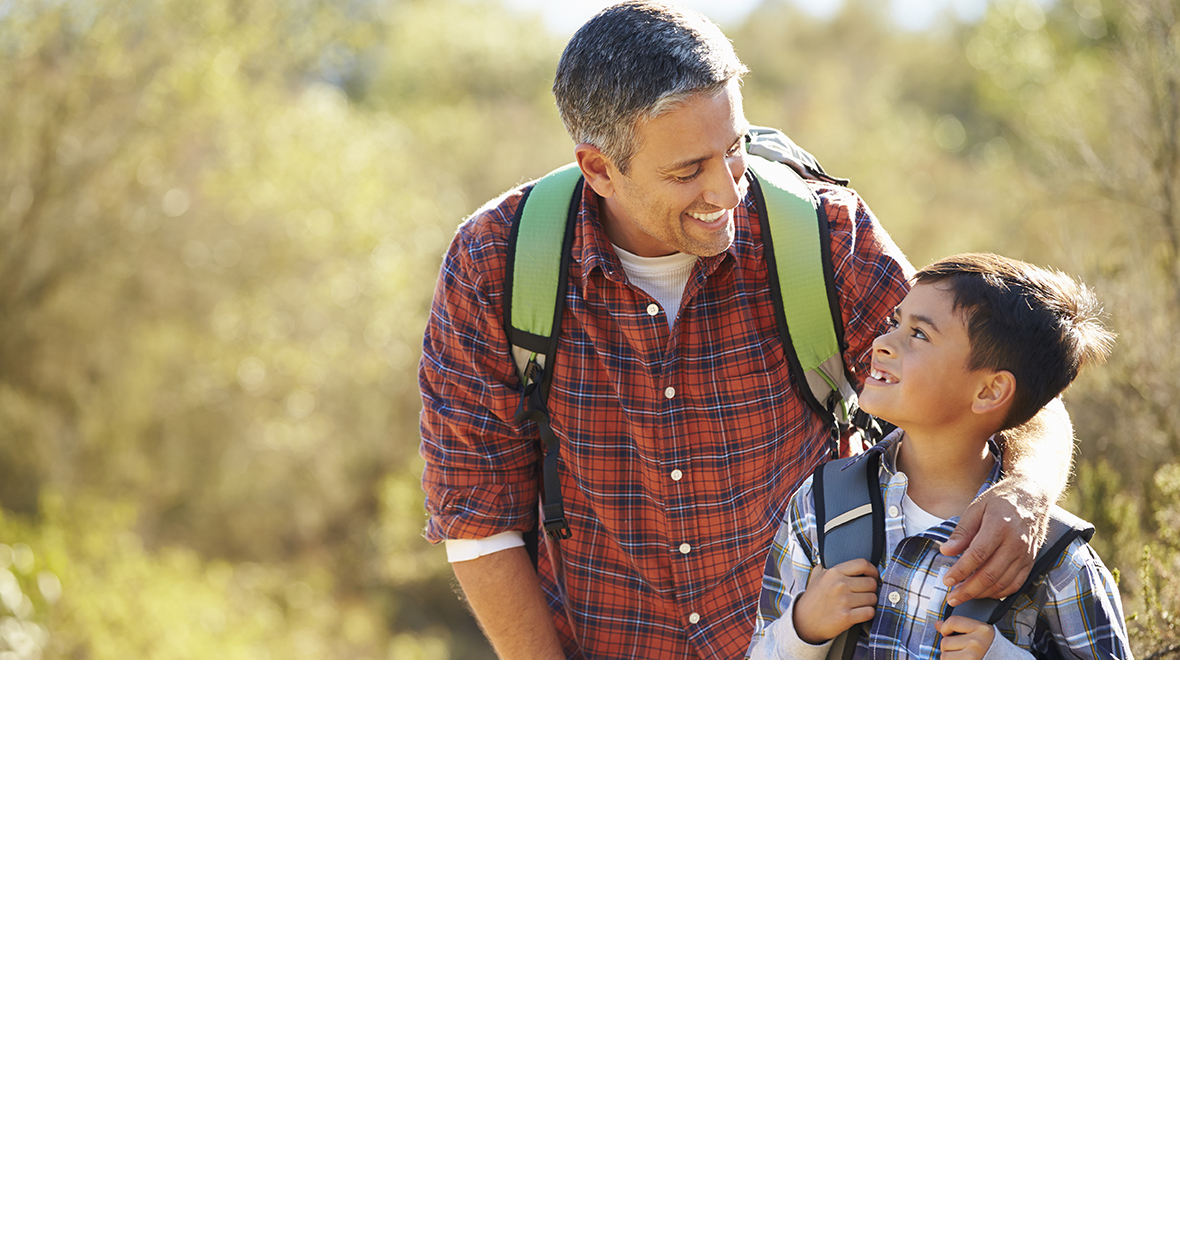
x,y
632,62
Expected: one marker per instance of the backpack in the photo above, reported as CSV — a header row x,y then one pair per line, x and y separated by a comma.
x,y
850,525
798,258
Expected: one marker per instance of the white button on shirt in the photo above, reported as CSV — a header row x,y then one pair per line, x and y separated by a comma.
x,y
894,511
894,597
694,618
653,309
676,475
685,548
669,392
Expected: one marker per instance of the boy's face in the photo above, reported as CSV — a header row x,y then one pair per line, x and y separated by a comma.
x,y
685,180
920,374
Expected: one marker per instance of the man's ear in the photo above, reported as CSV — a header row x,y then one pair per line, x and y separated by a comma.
x,y
599,172
995,393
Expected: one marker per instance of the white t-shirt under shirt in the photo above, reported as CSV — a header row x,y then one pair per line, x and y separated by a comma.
x,y
917,520
662,279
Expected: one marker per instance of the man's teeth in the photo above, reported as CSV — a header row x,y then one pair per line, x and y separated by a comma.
x,y
710,218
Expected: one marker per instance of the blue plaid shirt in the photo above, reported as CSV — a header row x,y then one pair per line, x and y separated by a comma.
x,y
1075,608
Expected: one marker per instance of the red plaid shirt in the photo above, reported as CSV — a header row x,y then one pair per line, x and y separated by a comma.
x,y
679,450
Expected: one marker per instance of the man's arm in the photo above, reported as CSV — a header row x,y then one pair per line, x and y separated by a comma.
x,y
505,596
1001,532
480,466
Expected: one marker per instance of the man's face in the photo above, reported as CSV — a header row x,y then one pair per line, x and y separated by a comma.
x,y
687,176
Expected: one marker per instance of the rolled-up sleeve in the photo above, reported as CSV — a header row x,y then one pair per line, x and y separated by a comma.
x,y
480,474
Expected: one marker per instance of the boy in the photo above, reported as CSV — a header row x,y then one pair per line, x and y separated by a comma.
x,y
979,344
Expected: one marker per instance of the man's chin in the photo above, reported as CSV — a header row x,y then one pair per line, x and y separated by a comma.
x,y
709,246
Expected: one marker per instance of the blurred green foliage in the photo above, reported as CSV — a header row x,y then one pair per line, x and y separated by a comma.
x,y
221,223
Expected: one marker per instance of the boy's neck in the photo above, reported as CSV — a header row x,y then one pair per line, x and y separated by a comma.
x,y
944,471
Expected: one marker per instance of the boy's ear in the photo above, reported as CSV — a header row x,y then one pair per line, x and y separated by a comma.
x,y
597,169
994,396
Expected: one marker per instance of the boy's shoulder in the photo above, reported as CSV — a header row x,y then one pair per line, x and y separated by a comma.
x,y
1076,601
1077,557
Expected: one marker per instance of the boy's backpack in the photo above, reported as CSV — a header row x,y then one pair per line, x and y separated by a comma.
x,y
850,525
798,256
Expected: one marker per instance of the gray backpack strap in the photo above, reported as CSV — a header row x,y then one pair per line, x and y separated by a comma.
x,y
850,522
1064,527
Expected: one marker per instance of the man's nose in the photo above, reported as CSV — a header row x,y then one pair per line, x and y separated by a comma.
x,y
730,187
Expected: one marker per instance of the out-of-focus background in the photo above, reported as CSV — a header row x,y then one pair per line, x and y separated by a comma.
x,y
221,222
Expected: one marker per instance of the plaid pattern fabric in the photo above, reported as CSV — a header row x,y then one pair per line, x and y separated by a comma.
x,y
679,449
1075,612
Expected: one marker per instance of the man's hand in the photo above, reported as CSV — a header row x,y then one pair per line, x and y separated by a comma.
x,y
963,638
999,536
836,598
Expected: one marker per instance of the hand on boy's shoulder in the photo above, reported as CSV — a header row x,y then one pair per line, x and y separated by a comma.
x,y
998,538
963,638
835,599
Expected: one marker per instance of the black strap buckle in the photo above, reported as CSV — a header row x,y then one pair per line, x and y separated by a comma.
x,y
556,527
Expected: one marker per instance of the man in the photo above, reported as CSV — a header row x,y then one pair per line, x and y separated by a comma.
x,y
682,435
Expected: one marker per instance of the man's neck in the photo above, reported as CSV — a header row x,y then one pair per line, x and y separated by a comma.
x,y
945,471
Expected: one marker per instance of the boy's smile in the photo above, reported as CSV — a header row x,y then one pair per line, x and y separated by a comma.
x,y
921,367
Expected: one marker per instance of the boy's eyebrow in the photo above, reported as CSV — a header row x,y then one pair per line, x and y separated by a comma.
x,y
917,318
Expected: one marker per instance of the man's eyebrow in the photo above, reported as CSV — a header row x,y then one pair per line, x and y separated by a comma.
x,y
702,159
685,163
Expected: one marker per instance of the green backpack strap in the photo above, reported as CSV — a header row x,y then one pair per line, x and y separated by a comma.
x,y
537,274
798,255
539,249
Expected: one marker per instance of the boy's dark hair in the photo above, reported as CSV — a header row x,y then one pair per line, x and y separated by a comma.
x,y
632,62
1042,326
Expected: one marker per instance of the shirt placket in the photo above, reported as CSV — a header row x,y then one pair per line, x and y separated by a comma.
x,y
911,593
677,469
